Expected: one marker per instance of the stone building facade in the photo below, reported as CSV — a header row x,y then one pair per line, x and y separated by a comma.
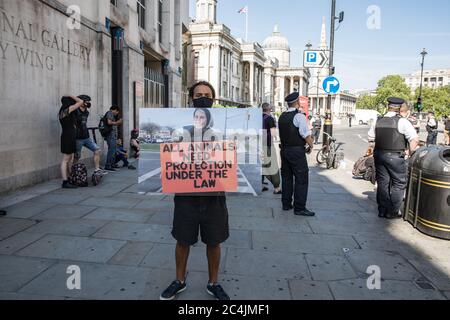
x,y
244,74
112,50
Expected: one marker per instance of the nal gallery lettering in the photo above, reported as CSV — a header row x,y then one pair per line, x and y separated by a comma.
x,y
25,52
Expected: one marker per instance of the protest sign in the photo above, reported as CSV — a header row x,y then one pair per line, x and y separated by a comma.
x,y
199,167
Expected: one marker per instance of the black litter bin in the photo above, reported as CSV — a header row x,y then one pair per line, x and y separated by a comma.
x,y
427,205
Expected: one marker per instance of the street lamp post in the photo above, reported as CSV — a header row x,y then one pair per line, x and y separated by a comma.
x,y
419,100
328,127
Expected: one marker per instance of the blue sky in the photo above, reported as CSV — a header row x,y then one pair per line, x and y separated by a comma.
x,y
362,56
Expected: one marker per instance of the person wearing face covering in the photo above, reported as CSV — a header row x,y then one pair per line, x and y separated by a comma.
x,y
68,120
206,213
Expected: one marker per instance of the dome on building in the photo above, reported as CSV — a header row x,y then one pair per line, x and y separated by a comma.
x,y
276,46
276,41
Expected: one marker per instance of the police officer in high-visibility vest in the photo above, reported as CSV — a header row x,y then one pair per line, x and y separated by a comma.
x,y
296,142
392,135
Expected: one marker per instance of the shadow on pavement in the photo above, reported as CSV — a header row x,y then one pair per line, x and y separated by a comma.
x,y
122,243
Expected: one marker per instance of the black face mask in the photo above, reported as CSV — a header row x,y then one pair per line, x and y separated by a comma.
x,y
203,103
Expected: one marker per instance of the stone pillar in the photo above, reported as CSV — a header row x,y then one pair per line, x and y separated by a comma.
x,y
230,75
252,83
282,90
301,89
292,84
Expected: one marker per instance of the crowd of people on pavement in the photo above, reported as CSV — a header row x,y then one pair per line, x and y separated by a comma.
x,y
73,117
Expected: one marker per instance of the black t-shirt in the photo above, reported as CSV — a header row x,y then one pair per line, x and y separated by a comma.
x,y
67,121
82,128
268,124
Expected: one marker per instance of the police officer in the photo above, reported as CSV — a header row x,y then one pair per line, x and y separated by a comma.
x,y
296,142
392,134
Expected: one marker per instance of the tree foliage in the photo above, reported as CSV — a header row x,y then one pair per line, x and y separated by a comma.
x,y
392,86
151,128
436,100
367,102
433,99
389,86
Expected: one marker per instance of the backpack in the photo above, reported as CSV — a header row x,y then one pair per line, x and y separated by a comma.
x,y
104,128
79,175
96,179
365,168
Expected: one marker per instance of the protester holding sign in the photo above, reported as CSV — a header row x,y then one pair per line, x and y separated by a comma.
x,y
205,212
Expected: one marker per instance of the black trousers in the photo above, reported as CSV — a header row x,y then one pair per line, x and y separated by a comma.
x,y
295,175
432,138
392,181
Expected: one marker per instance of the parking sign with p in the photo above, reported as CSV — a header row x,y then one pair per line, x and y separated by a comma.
x,y
311,57
315,59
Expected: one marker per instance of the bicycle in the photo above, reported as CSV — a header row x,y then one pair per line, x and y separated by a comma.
x,y
329,154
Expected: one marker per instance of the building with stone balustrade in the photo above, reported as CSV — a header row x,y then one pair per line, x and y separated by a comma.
x,y
128,53
243,73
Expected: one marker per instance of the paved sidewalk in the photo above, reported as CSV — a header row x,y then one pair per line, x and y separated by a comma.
x,y
122,243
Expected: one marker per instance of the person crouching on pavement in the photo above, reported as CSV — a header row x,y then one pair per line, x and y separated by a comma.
x,y
199,212
122,155
135,145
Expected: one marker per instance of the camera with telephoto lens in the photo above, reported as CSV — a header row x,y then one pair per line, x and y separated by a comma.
x,y
87,100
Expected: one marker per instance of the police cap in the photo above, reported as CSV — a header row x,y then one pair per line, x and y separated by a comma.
x,y
293,97
395,102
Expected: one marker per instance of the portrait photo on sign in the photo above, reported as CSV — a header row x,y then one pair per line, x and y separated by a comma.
x,y
200,151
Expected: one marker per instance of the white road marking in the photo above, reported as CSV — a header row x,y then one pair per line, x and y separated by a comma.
x,y
149,175
249,188
365,140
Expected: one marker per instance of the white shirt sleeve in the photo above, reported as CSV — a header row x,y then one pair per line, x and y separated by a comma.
x,y
406,128
371,133
432,123
302,124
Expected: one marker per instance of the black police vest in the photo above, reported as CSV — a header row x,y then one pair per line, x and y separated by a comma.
x,y
289,134
387,136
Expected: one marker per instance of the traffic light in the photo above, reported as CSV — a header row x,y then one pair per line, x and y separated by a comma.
x,y
333,70
419,105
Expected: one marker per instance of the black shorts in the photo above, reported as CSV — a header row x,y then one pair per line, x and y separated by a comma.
x,y
209,214
68,143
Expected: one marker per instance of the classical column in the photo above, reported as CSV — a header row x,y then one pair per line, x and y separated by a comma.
x,y
300,87
230,76
282,90
252,83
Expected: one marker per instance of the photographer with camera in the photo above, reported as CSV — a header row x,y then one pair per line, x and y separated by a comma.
x,y
67,119
83,138
111,138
